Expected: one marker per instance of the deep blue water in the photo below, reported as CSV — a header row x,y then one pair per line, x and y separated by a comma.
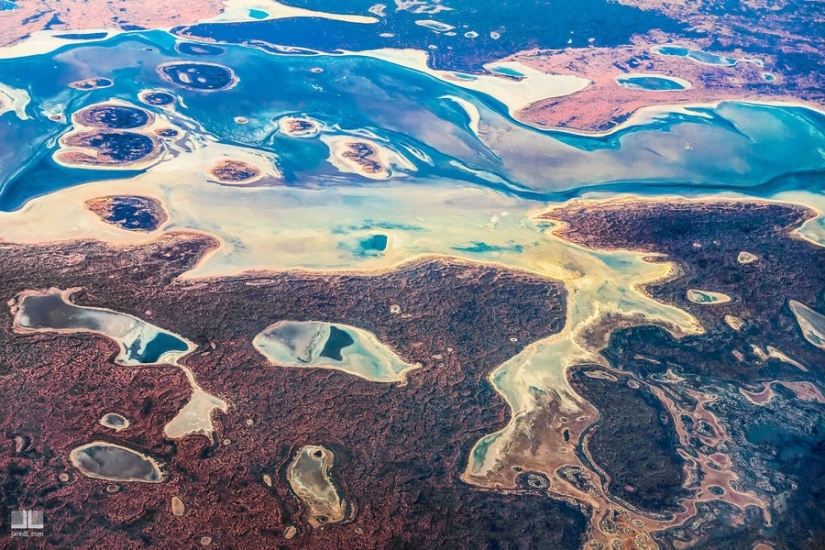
x,y
520,25
733,146
82,36
159,345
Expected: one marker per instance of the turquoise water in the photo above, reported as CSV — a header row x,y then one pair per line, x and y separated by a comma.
x,y
297,344
156,348
376,243
650,83
142,343
478,247
258,14
733,146
697,56
507,71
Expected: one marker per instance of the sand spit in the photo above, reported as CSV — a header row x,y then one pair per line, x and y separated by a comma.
x,y
14,100
17,44
474,117
516,94
810,322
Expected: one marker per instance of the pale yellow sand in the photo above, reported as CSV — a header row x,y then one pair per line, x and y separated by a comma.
x,y
14,100
516,95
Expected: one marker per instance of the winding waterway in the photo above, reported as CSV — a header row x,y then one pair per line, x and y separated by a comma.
x,y
402,162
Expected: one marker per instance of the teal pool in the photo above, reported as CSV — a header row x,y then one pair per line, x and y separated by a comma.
x,y
651,83
203,99
141,343
506,71
697,56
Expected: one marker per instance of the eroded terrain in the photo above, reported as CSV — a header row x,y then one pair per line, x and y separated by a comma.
x,y
729,390
458,321
710,455
293,276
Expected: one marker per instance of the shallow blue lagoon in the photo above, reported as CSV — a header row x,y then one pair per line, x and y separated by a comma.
x,y
697,56
156,348
572,24
649,83
83,35
733,145
141,343
507,71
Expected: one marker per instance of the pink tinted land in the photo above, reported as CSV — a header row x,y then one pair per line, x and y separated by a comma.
x,y
77,15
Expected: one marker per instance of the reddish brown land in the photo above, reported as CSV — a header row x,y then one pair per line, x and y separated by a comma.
x,y
399,449
603,105
705,238
700,379
234,171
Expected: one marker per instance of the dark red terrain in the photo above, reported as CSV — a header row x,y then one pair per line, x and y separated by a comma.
x,y
399,448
